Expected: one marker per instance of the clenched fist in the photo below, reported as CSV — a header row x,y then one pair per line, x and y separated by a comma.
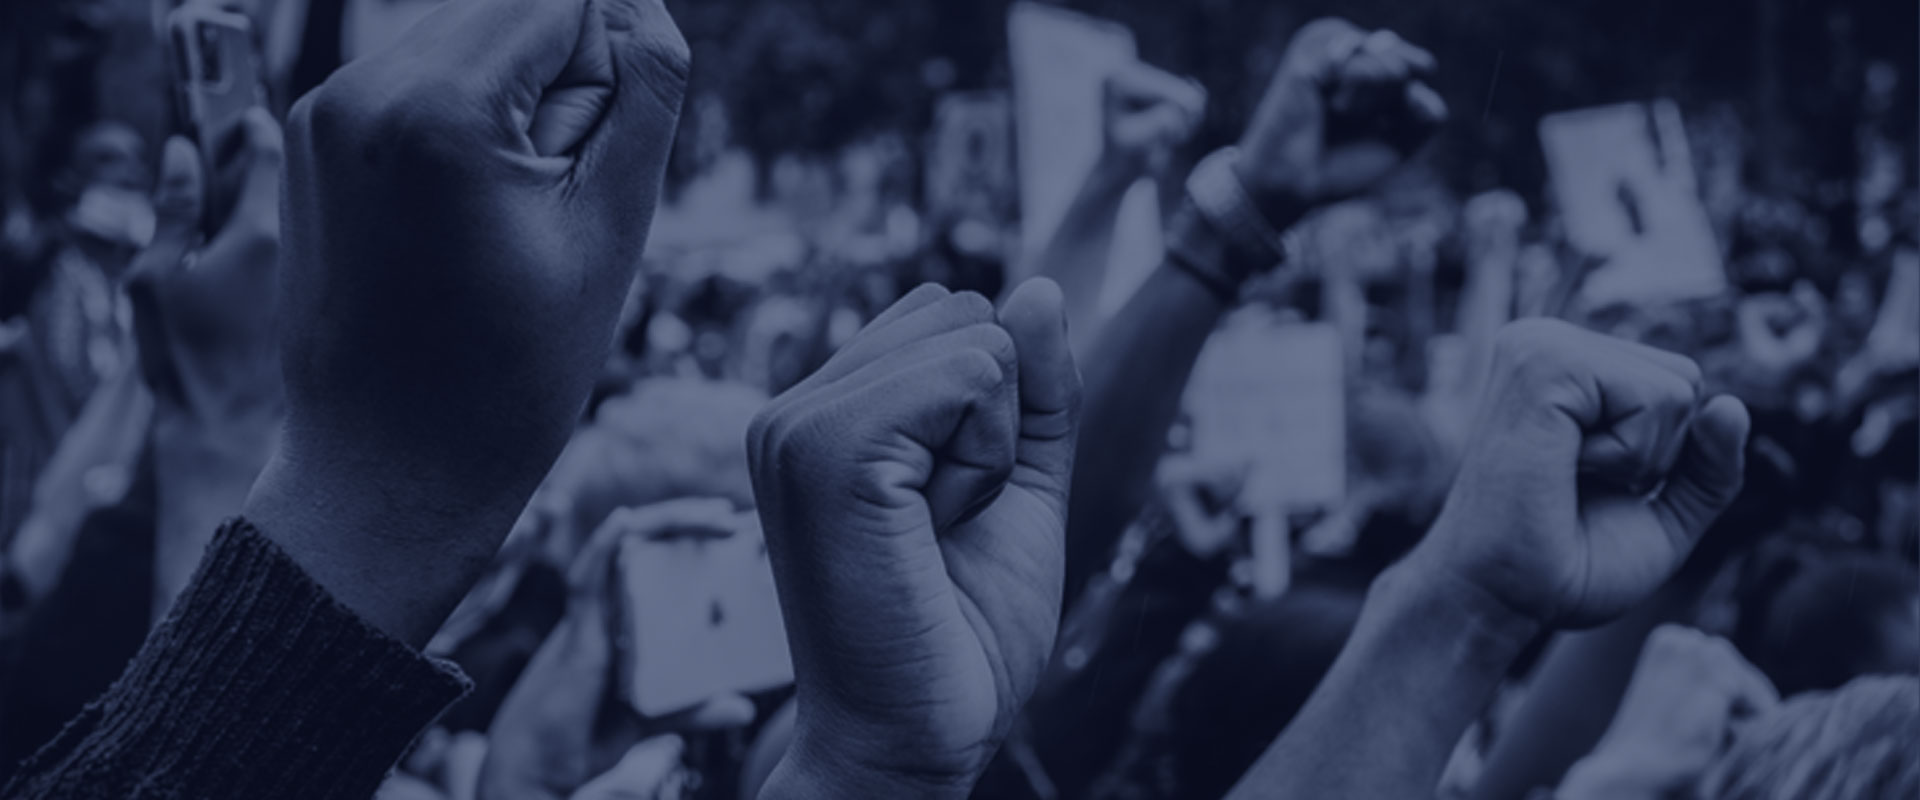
x,y
1147,115
1346,108
914,495
1594,466
463,216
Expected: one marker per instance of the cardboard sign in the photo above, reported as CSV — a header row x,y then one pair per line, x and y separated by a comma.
x,y
702,619
1273,395
1623,178
1061,61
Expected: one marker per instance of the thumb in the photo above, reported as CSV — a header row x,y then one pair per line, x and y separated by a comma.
x,y
1710,469
1049,388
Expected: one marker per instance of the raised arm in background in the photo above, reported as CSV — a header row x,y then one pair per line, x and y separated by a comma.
x,y
1147,114
1593,468
1345,108
463,215
205,324
914,495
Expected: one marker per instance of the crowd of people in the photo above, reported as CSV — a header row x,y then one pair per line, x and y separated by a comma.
x,y
346,453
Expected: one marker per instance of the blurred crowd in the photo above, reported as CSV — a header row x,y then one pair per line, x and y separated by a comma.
x,y
1211,612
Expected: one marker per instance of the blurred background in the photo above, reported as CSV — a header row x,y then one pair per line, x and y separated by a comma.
x,y
1731,179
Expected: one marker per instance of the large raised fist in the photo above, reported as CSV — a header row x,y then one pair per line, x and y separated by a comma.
x,y
1346,108
914,495
464,214
1593,468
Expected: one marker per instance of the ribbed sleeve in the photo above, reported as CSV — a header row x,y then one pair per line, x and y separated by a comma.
x,y
257,684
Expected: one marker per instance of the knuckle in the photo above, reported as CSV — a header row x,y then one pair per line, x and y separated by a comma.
x,y
970,306
998,343
405,121
979,368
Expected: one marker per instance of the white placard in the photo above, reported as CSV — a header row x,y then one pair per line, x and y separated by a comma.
x,y
1623,178
1271,395
1061,60
702,619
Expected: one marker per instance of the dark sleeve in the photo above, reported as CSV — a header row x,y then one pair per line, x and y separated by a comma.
x,y
257,684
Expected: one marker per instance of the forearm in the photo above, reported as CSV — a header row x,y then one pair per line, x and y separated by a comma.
x,y
1076,255
1134,384
1575,690
1426,656
398,543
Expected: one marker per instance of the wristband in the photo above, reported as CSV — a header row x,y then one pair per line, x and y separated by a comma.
x,y
1219,235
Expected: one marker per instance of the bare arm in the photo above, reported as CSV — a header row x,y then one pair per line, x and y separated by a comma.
x,y
1287,165
1147,114
1525,542
1425,657
1135,378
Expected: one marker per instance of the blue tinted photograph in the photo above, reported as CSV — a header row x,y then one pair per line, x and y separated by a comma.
x,y
949,399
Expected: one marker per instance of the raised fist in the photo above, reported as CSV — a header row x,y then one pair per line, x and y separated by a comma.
x,y
914,496
1593,468
465,213
1689,691
1148,114
1345,109
204,309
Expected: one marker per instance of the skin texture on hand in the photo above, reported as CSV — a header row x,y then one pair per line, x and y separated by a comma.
x,y
914,495
464,214
1594,467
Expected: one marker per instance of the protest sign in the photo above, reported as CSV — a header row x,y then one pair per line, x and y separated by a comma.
x,y
1272,395
1061,61
701,619
1623,178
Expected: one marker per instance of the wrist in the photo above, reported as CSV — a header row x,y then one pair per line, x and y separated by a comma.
x,y
1485,628
1281,206
397,548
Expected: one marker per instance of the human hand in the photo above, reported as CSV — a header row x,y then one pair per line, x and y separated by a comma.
x,y
203,312
914,495
1344,110
464,215
1593,469
1688,693
1779,333
564,722
1147,114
